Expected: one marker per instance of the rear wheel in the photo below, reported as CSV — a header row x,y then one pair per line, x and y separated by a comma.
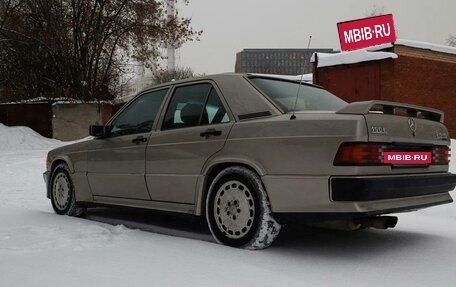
x,y
62,192
238,210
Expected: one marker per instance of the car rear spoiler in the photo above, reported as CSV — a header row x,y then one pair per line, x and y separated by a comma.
x,y
392,108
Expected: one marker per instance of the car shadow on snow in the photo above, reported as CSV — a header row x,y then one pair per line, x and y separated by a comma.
x,y
161,222
294,240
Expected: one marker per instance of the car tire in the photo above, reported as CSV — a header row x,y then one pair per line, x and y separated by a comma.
x,y
238,210
62,192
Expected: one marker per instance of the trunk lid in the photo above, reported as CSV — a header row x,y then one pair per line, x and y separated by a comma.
x,y
391,122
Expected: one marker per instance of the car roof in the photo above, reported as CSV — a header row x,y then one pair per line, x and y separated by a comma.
x,y
242,75
244,99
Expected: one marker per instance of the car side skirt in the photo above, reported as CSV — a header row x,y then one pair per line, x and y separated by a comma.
x,y
147,204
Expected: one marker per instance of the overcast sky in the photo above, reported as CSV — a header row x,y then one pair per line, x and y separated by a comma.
x,y
232,25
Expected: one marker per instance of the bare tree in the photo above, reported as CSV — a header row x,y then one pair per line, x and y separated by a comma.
x,y
375,11
77,48
164,76
451,40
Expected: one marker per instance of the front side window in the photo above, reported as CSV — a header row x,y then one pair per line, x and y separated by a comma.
x,y
310,98
194,105
140,115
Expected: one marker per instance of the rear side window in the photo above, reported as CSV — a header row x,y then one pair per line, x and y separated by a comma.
x,y
310,98
194,105
214,112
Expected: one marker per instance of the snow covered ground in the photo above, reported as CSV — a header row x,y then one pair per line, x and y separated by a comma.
x,y
40,248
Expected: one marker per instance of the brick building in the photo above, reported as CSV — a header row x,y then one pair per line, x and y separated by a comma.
x,y
408,72
276,61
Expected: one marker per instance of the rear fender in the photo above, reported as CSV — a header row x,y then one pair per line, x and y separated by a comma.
x,y
202,184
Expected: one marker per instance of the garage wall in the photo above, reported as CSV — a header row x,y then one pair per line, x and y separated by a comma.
x,y
72,121
63,121
357,82
37,116
427,78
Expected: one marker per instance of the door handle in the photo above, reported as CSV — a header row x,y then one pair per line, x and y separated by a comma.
x,y
210,132
139,139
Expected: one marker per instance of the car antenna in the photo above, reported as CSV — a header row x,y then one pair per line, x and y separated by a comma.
x,y
300,81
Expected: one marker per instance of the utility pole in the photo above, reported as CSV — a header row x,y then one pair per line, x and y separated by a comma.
x,y
171,52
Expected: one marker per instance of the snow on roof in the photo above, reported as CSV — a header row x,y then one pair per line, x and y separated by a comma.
x,y
357,56
428,46
375,53
40,100
308,78
72,102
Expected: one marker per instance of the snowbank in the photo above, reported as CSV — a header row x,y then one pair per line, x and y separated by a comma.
x,y
24,138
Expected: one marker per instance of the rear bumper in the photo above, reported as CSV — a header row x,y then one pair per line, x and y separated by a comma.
x,y
389,187
305,217
313,195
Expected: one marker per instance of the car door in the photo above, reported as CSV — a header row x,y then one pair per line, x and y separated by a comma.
x,y
195,126
116,164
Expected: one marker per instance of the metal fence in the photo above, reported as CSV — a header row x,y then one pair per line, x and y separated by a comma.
x,y
37,116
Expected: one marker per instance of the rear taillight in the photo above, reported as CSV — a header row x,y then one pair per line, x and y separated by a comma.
x,y
360,154
441,155
355,153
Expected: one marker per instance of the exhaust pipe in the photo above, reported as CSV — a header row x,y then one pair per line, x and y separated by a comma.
x,y
378,222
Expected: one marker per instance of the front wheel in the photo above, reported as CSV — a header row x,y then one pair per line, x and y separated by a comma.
x,y
62,192
238,210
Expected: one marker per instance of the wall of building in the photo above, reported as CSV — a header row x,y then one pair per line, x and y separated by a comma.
x,y
358,82
426,78
72,121
276,61
63,121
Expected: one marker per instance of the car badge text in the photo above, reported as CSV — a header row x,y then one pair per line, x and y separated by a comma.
x,y
441,135
378,130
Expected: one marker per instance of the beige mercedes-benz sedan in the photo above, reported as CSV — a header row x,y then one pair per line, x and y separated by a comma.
x,y
252,152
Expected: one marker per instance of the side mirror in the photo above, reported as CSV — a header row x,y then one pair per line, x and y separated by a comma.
x,y
98,131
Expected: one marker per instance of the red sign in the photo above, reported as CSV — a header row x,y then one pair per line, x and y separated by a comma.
x,y
404,157
366,32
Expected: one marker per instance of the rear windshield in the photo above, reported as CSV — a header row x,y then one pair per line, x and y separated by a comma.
x,y
310,98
